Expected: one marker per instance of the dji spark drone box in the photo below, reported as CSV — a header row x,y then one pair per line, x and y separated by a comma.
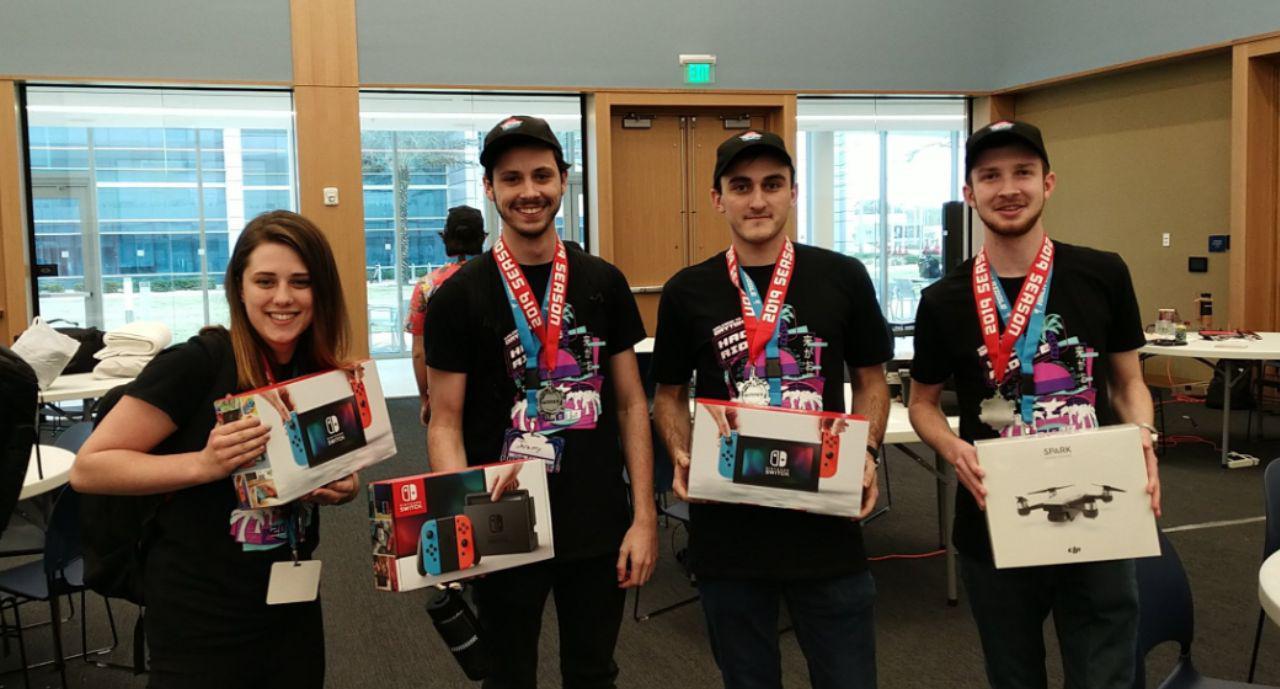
x,y
1058,498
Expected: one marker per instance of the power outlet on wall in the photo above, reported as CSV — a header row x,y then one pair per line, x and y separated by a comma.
x,y
1164,239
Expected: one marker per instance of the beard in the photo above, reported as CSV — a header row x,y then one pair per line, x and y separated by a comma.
x,y
1008,229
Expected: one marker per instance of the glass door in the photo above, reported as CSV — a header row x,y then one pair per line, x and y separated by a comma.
x,y
69,287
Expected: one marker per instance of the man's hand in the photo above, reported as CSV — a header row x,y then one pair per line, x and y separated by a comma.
x,y
964,457
1153,471
870,486
638,554
338,492
680,482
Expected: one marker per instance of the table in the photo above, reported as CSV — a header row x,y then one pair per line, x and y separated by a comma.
x,y
79,386
1265,349
1269,587
56,464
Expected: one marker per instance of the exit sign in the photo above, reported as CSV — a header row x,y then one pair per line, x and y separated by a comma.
x,y
699,69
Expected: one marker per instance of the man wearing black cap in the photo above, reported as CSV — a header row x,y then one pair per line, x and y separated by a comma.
x,y
748,560
1069,361
531,345
463,237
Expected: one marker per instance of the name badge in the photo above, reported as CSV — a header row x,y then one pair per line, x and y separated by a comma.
x,y
294,582
521,445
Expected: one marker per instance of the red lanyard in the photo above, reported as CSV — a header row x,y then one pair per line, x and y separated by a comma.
x,y
1000,346
760,330
547,330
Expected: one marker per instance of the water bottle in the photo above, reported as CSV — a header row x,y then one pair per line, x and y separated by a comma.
x,y
460,630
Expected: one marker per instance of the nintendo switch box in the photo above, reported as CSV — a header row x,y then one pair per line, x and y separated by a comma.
x,y
322,427
436,528
1059,498
772,457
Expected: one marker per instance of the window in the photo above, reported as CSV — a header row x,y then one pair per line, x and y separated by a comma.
x,y
138,196
873,176
421,158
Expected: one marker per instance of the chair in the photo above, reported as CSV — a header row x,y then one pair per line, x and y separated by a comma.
x,y
1271,498
59,572
1167,614
663,477
74,436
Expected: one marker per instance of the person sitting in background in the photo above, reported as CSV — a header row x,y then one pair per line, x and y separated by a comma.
x,y
463,237
207,621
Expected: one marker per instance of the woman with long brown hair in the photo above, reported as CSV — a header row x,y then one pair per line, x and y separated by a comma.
x,y
207,622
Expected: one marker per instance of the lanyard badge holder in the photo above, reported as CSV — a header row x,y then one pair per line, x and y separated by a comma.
x,y
294,580
1023,326
762,323
540,338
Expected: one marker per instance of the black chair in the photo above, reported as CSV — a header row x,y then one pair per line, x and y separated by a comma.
x,y
60,572
1271,499
1168,614
668,509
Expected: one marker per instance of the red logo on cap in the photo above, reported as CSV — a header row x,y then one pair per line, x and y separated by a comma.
x,y
751,136
511,123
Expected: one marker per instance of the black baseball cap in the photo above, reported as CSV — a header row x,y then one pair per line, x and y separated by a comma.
x,y
515,130
738,144
1003,133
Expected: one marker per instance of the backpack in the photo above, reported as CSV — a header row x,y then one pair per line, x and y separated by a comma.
x,y
18,390
116,529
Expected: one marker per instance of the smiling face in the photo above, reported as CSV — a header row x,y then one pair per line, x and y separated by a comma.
x,y
527,187
276,291
756,196
1008,187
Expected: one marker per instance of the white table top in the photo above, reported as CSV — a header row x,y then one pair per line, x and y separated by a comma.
x,y
79,386
56,463
1269,587
1266,348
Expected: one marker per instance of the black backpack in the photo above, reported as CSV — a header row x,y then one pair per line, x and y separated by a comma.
x,y
116,530
18,391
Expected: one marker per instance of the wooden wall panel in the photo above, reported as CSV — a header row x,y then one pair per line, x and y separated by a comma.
x,y
326,101
1255,186
15,280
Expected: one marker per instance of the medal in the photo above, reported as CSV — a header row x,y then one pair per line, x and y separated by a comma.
x,y
550,400
754,391
997,412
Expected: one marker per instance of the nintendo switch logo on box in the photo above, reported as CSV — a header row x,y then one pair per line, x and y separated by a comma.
x,y
412,498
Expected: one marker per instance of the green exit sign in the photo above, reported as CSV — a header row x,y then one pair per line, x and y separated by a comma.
x,y
700,73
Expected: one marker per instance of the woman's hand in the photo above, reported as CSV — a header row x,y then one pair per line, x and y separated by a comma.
x,y
230,446
338,492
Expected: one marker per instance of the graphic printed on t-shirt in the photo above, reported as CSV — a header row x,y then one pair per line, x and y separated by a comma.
x,y
427,285
573,402
1065,396
799,352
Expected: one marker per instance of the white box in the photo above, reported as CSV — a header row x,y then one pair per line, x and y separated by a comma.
x,y
471,534
333,424
811,461
1058,498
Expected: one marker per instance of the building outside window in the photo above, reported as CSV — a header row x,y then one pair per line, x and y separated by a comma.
x,y
873,175
421,157
138,196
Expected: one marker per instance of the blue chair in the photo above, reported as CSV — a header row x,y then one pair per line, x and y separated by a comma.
x,y
60,572
1168,614
1271,499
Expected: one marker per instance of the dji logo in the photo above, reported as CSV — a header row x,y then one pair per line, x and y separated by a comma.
x,y
1074,549
778,458
331,424
408,492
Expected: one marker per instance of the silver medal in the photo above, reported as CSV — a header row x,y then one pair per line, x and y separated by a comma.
x,y
550,400
997,412
754,391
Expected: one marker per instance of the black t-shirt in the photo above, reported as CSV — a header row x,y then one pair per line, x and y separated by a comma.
x,y
203,590
1092,312
830,319
470,329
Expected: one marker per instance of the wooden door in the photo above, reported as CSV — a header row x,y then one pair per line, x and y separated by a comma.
x,y
708,230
